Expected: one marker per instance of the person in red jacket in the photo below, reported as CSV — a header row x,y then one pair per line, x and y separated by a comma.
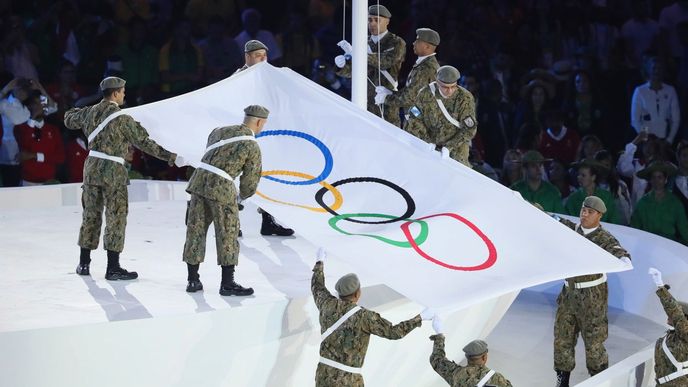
x,y
76,152
558,141
40,146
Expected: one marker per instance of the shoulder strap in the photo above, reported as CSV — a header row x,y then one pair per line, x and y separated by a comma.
x,y
229,141
339,322
671,356
446,114
485,379
102,125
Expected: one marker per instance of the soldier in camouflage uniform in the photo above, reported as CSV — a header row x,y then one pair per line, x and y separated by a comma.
x,y
451,129
671,350
346,330
383,70
110,132
231,150
255,52
582,303
475,373
422,73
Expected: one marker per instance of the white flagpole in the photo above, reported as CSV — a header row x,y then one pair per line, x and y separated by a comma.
x,y
359,41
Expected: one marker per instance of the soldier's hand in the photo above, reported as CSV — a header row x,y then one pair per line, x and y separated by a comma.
x,y
427,314
318,266
179,161
321,254
656,276
445,153
340,61
437,324
346,47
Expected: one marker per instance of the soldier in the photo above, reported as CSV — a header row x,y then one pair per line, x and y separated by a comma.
x,y
386,53
255,52
346,329
582,303
475,373
422,73
231,150
110,133
444,115
671,350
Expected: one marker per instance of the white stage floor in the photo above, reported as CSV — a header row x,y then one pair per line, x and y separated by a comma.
x,y
41,291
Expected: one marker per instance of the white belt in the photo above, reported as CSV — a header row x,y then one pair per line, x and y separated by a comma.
x,y
485,379
215,170
589,284
229,141
102,125
681,368
340,366
391,80
101,155
446,114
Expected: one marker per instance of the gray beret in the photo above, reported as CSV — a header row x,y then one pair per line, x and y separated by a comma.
x,y
257,111
448,74
112,83
475,348
379,10
253,45
595,203
347,285
428,35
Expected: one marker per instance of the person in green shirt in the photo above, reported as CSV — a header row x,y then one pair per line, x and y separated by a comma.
x,y
660,211
533,188
588,170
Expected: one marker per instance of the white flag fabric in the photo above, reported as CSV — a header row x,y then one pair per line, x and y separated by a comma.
x,y
376,196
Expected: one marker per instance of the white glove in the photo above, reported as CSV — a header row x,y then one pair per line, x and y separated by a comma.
x,y
383,90
322,254
179,161
380,99
626,261
346,47
427,314
437,324
445,153
432,146
340,61
656,276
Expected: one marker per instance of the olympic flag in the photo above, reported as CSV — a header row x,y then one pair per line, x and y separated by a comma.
x,y
377,197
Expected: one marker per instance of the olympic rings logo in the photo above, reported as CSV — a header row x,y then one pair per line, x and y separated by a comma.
x,y
411,242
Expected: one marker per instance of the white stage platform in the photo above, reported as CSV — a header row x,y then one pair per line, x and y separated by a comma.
x,y
61,329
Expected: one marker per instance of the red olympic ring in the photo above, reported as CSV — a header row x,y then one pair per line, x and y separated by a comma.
x,y
492,255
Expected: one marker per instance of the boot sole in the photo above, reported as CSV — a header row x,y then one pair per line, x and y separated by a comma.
x,y
194,290
121,278
227,294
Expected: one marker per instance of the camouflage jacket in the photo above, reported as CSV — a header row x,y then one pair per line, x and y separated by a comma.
x,y
234,158
460,376
392,53
677,340
421,75
114,140
602,238
349,343
433,127
240,69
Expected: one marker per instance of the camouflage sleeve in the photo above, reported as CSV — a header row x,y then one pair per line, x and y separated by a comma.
x,y
466,117
499,380
674,312
318,288
138,136
248,182
416,127
567,223
74,118
389,56
439,362
375,324
613,247
345,71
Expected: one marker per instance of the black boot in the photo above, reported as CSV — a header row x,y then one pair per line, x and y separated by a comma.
x,y
194,279
84,262
230,288
270,227
563,378
114,272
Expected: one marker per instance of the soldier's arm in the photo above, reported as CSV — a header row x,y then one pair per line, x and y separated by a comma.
x,y
613,247
138,136
375,324
567,223
345,71
466,117
248,182
674,311
318,288
74,118
388,56
438,359
499,380
416,127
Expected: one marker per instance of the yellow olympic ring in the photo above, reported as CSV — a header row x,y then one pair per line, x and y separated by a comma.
x,y
338,199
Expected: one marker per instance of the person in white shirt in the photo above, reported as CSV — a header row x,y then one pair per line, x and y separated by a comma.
x,y
655,104
628,165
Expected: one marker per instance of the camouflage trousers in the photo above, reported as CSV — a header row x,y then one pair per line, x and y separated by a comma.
x,y
326,376
460,154
114,200
391,111
225,218
581,311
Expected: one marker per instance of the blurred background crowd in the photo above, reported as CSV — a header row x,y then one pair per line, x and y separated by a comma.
x,y
586,96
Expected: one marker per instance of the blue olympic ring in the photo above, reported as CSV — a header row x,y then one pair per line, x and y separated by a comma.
x,y
329,161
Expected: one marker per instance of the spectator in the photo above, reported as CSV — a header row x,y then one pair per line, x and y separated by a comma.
x,y
139,63
584,110
588,147
13,112
588,171
66,91
640,32
250,19
535,96
681,180
558,140
533,188
21,56
494,119
181,62
655,105
659,211
529,138
511,167
559,177
40,145
628,165
222,54
609,180
299,45
76,153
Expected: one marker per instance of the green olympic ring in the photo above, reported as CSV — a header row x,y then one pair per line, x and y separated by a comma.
x,y
420,239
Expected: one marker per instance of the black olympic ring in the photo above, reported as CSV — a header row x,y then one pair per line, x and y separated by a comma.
x,y
410,204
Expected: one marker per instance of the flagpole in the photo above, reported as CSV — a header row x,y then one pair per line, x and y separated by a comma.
x,y
359,41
